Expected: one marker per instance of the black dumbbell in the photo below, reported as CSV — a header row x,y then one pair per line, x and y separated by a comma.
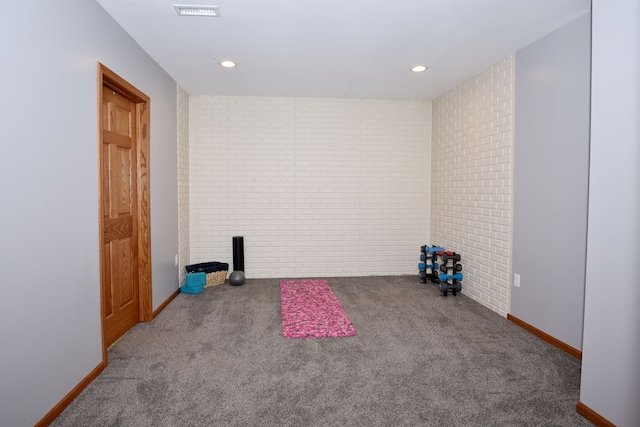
x,y
443,288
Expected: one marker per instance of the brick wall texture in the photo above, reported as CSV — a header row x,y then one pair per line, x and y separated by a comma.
x,y
471,193
317,187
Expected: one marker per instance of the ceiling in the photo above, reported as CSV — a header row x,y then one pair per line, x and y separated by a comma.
x,y
337,48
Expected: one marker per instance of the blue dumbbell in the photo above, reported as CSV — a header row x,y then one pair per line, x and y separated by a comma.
x,y
434,249
444,277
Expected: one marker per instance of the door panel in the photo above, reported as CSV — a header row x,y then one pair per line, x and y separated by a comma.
x,y
121,273
119,181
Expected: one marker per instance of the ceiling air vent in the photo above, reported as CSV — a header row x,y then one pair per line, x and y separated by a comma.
x,y
197,10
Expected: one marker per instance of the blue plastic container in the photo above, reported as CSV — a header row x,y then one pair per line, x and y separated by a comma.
x,y
195,280
191,289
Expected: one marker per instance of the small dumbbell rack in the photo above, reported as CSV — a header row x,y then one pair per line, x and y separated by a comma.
x,y
450,275
428,266
446,274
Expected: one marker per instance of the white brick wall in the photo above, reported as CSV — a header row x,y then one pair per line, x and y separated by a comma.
x,y
317,187
183,183
471,195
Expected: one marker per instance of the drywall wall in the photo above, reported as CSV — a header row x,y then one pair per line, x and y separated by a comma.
x,y
551,169
610,382
183,183
471,181
49,266
317,187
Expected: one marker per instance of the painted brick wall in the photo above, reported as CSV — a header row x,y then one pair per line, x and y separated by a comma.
x,y
183,183
472,181
317,187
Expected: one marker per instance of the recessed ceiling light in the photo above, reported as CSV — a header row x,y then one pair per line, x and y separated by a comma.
x,y
228,64
197,10
418,68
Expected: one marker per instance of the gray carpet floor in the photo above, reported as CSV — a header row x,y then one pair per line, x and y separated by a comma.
x,y
418,359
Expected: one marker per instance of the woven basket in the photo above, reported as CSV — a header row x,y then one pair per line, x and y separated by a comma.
x,y
216,271
216,278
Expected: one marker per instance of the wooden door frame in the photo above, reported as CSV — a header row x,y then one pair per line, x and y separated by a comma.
x,y
108,78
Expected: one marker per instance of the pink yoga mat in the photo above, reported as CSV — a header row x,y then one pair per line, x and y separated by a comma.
x,y
310,309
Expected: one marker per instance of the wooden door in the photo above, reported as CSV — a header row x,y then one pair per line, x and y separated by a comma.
x,y
119,205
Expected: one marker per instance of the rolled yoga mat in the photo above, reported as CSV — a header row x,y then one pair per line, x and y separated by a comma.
x,y
238,253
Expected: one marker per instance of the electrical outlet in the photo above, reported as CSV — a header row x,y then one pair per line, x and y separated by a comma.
x,y
516,280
